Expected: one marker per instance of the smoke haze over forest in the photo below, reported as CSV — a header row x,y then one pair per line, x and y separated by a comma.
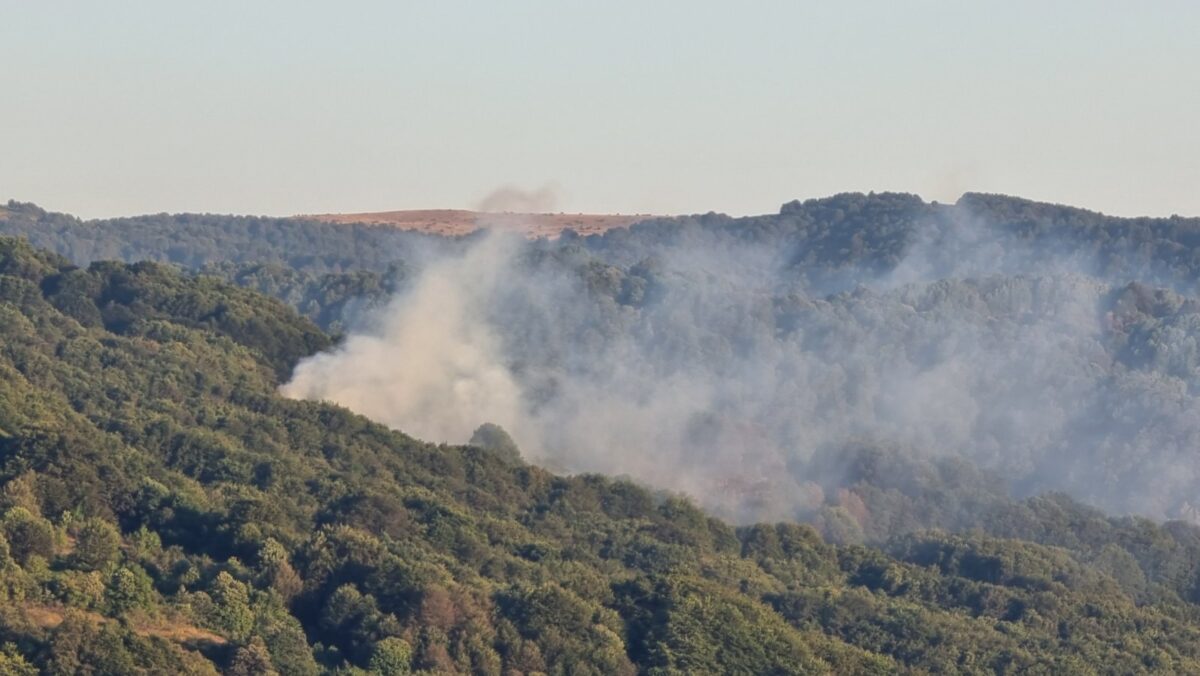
x,y
702,416
591,339
721,366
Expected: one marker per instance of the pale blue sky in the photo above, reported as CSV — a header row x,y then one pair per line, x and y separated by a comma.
x,y
122,107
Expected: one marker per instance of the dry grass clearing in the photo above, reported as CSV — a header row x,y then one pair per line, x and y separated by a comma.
x,y
452,222
178,631
174,629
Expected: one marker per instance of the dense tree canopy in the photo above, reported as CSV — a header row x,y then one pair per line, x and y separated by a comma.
x,y
163,508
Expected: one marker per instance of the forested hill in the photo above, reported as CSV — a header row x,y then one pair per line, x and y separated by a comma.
x,y
193,240
330,272
876,229
164,510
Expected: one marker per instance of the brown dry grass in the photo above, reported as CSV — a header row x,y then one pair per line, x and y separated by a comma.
x,y
174,629
453,222
49,617
179,632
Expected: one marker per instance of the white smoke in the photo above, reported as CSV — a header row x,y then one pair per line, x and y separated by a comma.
x,y
712,370
430,366
510,199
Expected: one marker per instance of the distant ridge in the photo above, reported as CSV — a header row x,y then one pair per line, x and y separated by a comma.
x,y
452,222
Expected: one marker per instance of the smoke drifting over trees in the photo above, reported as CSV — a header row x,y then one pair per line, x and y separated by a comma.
x,y
751,361
431,363
892,371
725,361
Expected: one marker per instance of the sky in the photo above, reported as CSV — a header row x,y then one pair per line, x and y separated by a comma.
x,y
126,107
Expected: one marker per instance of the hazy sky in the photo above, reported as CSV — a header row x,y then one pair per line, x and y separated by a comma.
x,y
122,107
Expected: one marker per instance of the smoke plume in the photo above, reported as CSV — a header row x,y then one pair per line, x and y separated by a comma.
x,y
431,366
716,367
510,199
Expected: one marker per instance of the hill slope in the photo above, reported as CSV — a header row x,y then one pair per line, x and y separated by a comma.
x,y
165,509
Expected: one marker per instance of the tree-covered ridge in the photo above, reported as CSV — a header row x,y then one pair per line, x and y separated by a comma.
x,y
195,240
165,510
331,300
331,272
822,238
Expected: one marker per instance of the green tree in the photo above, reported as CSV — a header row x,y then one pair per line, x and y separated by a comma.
x,y
277,570
128,587
97,545
353,619
494,438
252,659
28,535
231,606
391,656
12,663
